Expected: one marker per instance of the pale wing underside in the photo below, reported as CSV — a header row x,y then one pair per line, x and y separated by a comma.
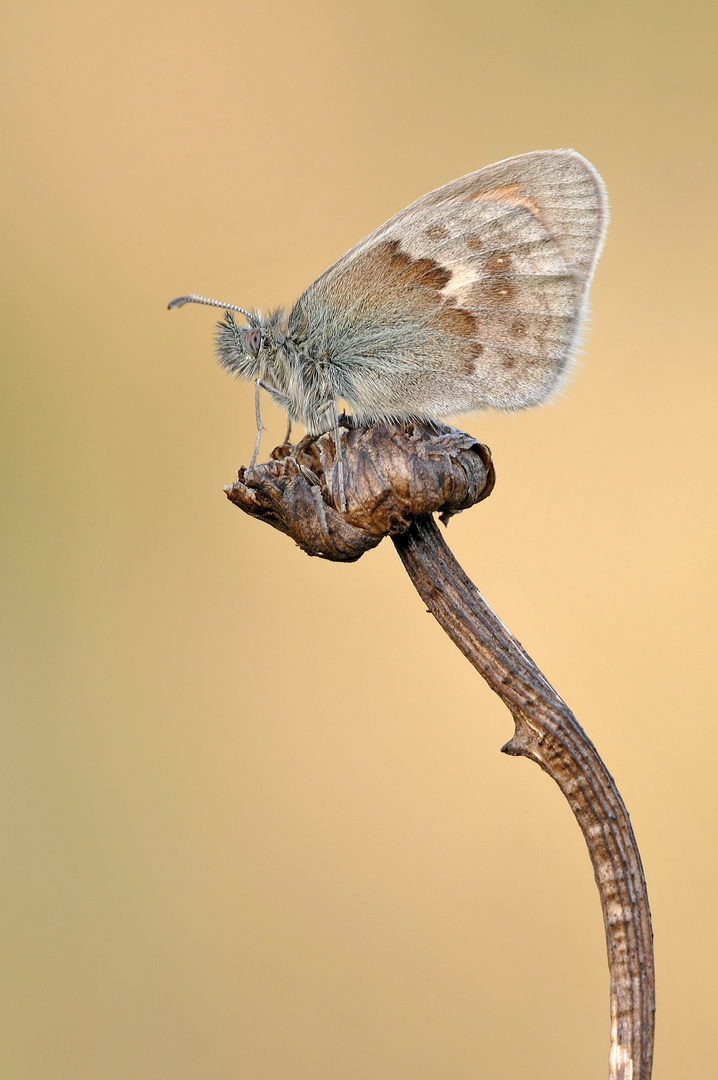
x,y
472,296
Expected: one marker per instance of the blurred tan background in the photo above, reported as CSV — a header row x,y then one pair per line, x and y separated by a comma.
x,y
255,819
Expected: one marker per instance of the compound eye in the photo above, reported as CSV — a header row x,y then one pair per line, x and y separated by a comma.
x,y
253,340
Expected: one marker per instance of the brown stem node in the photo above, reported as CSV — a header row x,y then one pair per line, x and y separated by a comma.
x,y
393,474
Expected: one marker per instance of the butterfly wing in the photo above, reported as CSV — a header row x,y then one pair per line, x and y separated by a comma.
x,y
471,297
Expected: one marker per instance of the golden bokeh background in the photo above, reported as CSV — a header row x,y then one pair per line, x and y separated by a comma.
x,y
255,820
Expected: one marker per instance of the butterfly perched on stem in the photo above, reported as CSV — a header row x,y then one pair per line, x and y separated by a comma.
x,y
473,297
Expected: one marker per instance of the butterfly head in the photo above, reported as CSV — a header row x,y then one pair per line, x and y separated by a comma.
x,y
245,351
250,352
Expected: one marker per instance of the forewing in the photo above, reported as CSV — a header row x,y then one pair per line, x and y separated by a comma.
x,y
472,296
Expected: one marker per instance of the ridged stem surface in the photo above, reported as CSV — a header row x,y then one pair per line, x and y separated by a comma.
x,y
548,733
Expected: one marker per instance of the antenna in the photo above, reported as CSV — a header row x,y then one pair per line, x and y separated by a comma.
x,y
194,298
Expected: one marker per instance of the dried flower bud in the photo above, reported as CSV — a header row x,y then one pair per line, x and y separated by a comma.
x,y
393,473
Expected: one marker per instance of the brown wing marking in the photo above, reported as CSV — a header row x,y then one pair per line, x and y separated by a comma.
x,y
383,286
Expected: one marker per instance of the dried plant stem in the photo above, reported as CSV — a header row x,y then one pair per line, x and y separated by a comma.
x,y
395,477
549,734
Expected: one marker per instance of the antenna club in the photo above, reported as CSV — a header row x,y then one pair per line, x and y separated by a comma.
x,y
195,298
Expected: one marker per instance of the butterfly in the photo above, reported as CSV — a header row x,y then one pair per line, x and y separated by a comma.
x,y
473,297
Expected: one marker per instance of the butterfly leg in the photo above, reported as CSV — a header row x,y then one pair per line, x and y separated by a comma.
x,y
281,400
260,425
339,457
